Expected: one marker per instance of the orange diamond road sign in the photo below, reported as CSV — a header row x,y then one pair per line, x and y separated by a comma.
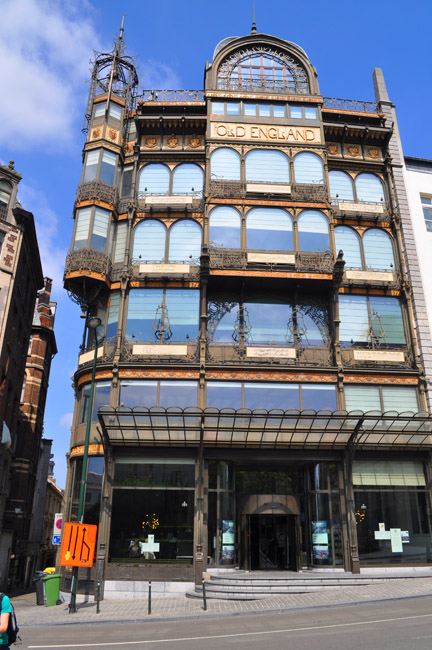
x,y
78,545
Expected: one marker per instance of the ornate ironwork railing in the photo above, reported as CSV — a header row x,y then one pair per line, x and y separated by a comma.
x,y
383,356
127,354
97,190
227,259
232,354
314,262
308,192
227,189
304,262
140,268
374,211
88,260
350,105
263,85
171,96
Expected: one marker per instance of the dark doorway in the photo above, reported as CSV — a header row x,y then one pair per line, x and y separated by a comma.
x,y
272,542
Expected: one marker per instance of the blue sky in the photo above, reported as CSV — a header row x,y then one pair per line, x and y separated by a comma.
x,y
45,49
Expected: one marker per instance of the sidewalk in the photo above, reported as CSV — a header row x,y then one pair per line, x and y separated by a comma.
x,y
28,613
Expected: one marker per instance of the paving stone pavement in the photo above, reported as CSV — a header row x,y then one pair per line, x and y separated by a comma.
x,y
28,613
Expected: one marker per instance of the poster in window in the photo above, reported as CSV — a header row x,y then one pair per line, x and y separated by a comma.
x,y
227,531
319,532
321,552
228,554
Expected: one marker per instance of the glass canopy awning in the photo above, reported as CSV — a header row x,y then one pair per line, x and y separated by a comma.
x,y
242,428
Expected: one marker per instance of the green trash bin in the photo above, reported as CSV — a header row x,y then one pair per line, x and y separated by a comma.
x,y
52,588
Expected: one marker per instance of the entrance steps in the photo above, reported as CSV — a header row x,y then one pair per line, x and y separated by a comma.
x,y
255,585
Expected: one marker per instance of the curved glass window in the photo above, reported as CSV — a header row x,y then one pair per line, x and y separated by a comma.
x,y
185,241
113,315
369,188
5,192
269,229
308,168
149,241
162,315
225,165
93,222
348,241
154,179
267,167
378,249
188,179
313,231
261,71
341,186
225,228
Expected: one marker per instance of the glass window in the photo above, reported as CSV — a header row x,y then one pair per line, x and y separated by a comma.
x,y
426,202
99,109
308,168
185,241
91,165
115,111
279,110
318,397
362,398
268,320
126,189
162,315
313,231
269,229
5,192
367,318
232,108
217,108
381,398
138,393
249,109
225,165
369,188
271,396
157,472
389,472
188,179
347,240
267,166
378,250
399,398
165,394
264,110
224,395
341,186
120,242
108,167
101,398
296,112
154,179
178,393
113,315
149,241
225,228
100,229
82,227
310,112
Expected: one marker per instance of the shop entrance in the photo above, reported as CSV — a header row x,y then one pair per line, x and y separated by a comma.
x,y
272,542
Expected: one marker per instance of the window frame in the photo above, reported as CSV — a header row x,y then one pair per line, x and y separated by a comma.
x,y
355,195
364,266
142,194
98,167
426,204
345,345
90,233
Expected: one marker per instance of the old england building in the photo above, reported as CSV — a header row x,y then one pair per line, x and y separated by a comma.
x,y
243,247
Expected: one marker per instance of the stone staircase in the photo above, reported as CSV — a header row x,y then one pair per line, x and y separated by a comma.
x,y
255,585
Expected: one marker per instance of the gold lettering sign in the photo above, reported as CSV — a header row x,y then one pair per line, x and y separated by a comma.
x,y
265,132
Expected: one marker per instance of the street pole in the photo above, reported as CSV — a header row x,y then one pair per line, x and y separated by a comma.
x,y
92,323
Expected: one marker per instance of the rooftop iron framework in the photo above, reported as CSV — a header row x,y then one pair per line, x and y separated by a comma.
x,y
274,429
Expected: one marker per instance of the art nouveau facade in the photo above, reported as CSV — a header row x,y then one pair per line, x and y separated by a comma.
x,y
243,248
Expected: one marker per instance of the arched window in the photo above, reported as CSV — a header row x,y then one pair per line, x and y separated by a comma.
x,y
369,188
313,231
225,227
341,186
154,179
260,70
267,167
378,250
185,241
308,168
188,179
5,192
225,165
149,241
269,229
348,241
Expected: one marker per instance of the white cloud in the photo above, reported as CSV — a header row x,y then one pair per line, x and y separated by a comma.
x,y
158,76
47,230
45,48
66,420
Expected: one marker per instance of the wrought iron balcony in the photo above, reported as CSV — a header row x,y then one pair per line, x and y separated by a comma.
x,y
349,105
381,356
302,262
174,96
96,190
269,355
309,192
163,353
227,189
263,85
360,210
85,260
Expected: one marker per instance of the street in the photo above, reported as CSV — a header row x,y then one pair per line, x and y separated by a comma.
x,y
383,625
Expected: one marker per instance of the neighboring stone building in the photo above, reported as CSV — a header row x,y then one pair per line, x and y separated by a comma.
x,y
244,248
26,347
53,506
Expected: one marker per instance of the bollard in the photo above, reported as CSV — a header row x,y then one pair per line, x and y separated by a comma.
x,y
98,598
204,596
149,599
